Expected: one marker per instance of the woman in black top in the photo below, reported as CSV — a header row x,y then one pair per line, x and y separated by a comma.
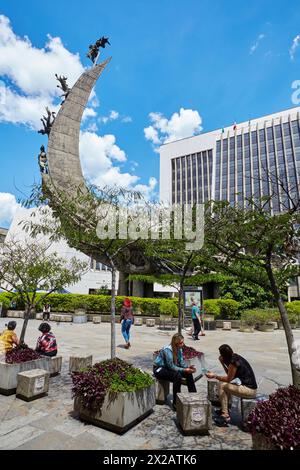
x,y
238,381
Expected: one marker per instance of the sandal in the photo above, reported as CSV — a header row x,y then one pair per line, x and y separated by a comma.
x,y
221,421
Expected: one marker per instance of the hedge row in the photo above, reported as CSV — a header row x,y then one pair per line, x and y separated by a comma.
x,y
222,308
101,304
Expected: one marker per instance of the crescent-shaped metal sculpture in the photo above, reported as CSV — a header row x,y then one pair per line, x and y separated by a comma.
x,y
63,145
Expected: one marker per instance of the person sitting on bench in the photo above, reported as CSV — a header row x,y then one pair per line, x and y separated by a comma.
x,y
169,365
239,380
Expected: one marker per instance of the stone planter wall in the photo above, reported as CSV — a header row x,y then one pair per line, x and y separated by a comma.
x,y
260,442
9,373
120,411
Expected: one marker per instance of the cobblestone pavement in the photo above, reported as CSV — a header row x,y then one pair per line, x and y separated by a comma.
x,y
49,422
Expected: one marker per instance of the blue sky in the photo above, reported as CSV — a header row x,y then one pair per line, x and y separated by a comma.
x,y
178,68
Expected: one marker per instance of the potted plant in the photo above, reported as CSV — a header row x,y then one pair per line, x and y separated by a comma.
x,y
113,394
19,359
80,315
248,321
167,311
274,423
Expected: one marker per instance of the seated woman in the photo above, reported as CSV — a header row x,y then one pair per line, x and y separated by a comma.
x,y
169,365
239,380
46,343
8,338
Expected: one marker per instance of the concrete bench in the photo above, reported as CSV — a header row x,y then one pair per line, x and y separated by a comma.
x,y
226,325
32,384
55,365
97,319
194,413
213,391
138,321
248,404
150,321
76,363
162,390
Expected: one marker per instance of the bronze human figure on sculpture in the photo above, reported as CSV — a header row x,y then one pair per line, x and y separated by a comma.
x,y
47,122
94,48
43,162
63,86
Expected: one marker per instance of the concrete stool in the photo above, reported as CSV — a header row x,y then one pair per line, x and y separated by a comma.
x,y
97,319
248,404
150,322
193,413
138,321
79,318
213,391
55,365
32,384
226,325
76,363
162,390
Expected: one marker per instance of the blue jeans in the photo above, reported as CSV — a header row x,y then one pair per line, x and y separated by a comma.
x,y
126,324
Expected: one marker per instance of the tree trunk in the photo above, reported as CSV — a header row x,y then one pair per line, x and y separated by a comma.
x,y
25,322
113,312
292,346
180,310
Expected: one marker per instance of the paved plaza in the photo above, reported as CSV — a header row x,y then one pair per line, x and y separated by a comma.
x,y
49,422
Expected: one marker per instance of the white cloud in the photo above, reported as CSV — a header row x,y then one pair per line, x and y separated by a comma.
x,y
147,191
98,155
294,47
126,119
29,75
183,124
256,43
113,115
8,207
88,112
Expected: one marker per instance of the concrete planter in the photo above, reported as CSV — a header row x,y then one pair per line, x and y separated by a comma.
x,y
260,442
120,411
266,327
246,329
9,373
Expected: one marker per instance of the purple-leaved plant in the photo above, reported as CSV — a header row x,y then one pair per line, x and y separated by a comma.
x,y
278,418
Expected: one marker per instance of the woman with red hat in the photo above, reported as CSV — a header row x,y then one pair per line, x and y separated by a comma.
x,y
127,320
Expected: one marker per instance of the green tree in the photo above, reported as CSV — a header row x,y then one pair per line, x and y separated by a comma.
x,y
27,268
86,219
255,246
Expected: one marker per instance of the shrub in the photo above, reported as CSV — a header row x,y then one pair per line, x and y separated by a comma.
x,y
259,316
211,307
278,418
114,375
5,299
229,309
292,312
21,353
101,303
168,308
